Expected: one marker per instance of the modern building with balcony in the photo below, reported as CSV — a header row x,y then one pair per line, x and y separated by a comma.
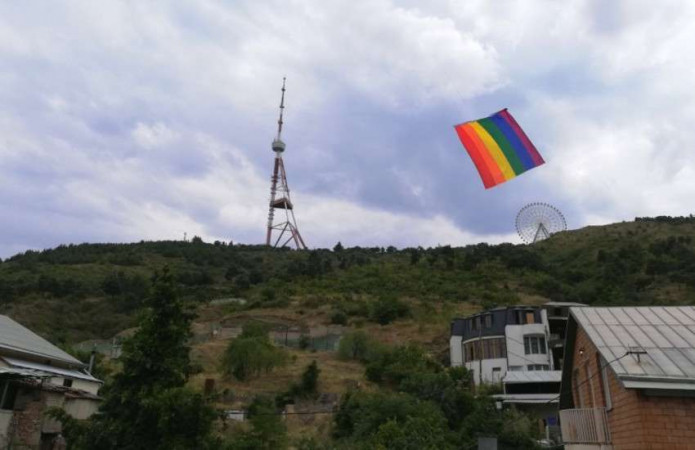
x,y
628,381
491,343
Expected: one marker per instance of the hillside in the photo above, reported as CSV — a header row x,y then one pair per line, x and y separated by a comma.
x,y
91,292
77,292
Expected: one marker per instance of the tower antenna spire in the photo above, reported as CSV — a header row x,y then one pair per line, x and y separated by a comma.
x,y
285,226
282,109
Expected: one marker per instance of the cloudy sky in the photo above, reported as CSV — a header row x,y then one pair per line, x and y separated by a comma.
x,y
128,120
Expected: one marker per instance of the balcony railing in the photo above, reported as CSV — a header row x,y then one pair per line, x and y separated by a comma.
x,y
585,426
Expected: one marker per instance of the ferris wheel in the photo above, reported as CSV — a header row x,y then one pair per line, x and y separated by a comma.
x,y
538,221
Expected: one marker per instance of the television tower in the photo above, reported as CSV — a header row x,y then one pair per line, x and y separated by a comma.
x,y
285,226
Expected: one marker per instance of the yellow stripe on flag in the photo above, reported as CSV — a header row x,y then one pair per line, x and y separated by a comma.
x,y
495,151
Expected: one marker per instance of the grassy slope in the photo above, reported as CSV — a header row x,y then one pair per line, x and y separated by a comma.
x,y
61,293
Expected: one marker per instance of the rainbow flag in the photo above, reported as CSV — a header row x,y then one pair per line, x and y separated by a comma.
x,y
498,147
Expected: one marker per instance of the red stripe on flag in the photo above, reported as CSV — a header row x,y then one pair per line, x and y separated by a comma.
x,y
488,170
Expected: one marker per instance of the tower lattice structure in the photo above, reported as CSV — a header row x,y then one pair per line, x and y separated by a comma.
x,y
283,229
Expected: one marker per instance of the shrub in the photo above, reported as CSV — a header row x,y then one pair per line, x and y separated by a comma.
x,y
252,353
387,309
356,345
339,318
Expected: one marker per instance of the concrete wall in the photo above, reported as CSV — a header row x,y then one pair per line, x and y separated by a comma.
x,y
636,421
81,408
487,372
83,385
455,351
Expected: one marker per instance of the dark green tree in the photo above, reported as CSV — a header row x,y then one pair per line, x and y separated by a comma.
x,y
147,405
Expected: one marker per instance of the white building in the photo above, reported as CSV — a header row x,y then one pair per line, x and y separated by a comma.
x,y
491,343
36,375
519,348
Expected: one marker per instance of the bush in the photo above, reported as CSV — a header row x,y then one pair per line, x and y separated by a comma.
x,y
387,309
392,366
339,318
252,353
268,431
356,345
362,415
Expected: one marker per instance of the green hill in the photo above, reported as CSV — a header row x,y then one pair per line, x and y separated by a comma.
x,y
78,292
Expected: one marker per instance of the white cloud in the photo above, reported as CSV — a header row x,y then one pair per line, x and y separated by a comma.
x,y
153,136
605,89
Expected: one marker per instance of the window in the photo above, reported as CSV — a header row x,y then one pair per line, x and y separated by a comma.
x,y
67,382
488,320
524,316
533,367
534,345
496,374
491,348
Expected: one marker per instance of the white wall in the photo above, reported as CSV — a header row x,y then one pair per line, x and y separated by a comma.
x,y
83,385
515,345
81,408
487,372
5,420
455,351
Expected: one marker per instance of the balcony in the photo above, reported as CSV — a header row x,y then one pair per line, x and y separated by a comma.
x,y
585,429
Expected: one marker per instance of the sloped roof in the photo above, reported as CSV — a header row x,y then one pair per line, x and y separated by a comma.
x,y
663,336
49,370
17,338
532,376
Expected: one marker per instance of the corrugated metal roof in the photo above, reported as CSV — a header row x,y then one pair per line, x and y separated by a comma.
x,y
534,376
54,371
665,333
14,336
543,399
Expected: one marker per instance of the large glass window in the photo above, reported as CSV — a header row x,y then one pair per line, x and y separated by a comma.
x,y
492,348
534,345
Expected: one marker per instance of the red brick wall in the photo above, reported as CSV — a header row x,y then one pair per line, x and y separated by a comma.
x,y
636,421
29,418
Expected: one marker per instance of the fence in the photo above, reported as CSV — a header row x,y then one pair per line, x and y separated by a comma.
x,y
584,426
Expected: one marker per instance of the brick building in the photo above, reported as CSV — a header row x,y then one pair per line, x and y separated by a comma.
x,y
628,382
35,375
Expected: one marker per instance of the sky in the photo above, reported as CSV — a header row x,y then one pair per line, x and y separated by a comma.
x,y
124,120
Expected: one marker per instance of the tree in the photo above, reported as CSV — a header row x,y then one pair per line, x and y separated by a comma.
x,y
387,309
355,345
268,431
338,247
147,406
252,353
310,379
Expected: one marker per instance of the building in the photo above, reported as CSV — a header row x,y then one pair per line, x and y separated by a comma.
x,y
491,343
628,381
512,347
36,375
557,313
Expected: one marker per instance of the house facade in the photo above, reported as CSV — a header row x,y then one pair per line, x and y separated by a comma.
x,y
35,375
491,343
628,382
